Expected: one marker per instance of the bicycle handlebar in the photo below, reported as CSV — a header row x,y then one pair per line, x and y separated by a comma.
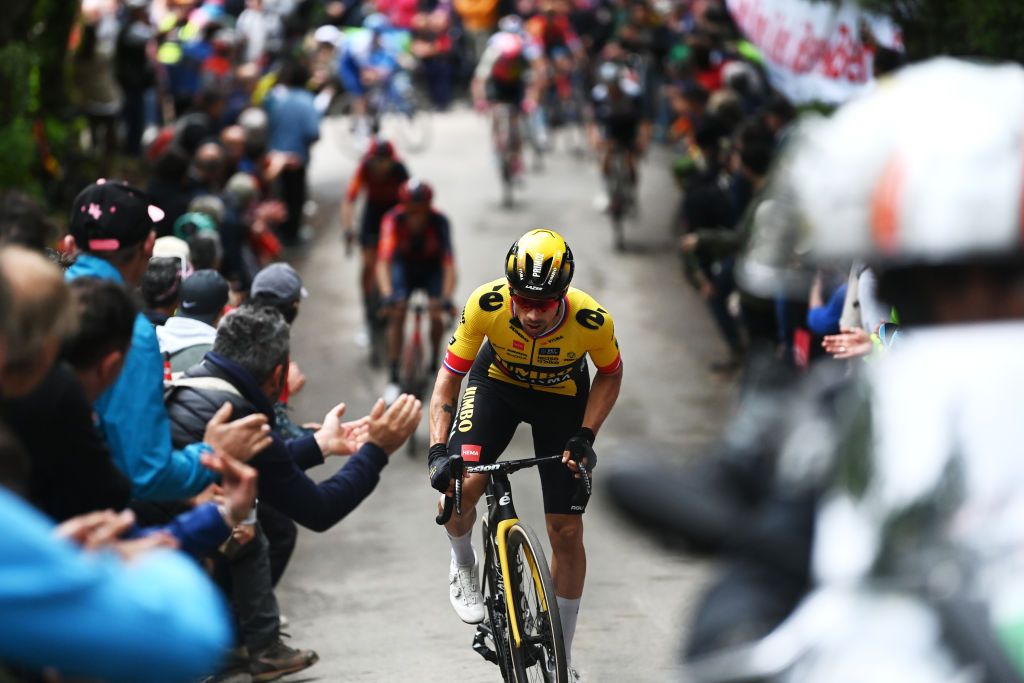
x,y
457,468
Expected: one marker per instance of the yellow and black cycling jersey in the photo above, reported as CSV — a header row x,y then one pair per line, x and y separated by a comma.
x,y
554,362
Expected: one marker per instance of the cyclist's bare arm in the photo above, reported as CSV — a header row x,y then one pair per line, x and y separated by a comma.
x,y
604,391
383,269
443,404
447,280
538,80
477,89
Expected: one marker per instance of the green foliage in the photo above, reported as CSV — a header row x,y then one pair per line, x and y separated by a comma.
x,y
19,156
33,47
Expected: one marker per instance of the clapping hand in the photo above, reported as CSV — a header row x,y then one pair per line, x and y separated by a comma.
x,y
389,427
237,485
341,438
239,439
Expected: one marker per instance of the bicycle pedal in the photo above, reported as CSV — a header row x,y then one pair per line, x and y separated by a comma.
x,y
480,644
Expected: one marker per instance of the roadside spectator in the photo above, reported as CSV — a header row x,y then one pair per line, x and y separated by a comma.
x,y
185,338
52,595
99,95
260,32
294,125
23,221
112,233
161,289
135,72
479,18
251,355
168,187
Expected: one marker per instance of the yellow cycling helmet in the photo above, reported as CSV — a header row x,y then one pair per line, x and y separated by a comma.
x,y
539,265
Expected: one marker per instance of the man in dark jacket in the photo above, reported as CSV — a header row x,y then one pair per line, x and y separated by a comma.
x,y
248,368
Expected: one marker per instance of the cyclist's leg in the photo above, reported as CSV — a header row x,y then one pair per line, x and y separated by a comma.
x,y
401,289
555,420
369,237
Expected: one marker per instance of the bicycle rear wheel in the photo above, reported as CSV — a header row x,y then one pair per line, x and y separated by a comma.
x,y
618,195
540,655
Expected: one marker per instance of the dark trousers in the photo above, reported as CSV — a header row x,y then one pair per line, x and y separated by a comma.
x,y
439,73
134,114
292,184
728,326
281,533
245,576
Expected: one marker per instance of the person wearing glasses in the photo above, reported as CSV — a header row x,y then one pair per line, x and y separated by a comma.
x,y
523,340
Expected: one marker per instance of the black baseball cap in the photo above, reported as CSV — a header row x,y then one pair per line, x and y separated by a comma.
x,y
204,294
110,215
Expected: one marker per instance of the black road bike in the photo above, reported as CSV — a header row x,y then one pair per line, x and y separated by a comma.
x,y
522,631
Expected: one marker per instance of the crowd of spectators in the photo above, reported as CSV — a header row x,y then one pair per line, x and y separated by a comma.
x,y
163,349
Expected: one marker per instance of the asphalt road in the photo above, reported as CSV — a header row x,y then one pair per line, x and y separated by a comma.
x,y
370,595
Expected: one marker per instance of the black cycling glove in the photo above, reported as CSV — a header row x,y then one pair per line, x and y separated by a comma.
x,y
437,467
581,446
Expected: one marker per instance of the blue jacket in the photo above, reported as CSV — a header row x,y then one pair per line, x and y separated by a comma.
x,y
293,121
132,416
825,319
90,615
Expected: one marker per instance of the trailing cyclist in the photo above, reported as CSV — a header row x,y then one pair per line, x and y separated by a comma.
x,y
372,60
564,56
620,121
510,72
532,368
380,175
415,253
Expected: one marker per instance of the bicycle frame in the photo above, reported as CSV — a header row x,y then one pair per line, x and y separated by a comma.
x,y
502,616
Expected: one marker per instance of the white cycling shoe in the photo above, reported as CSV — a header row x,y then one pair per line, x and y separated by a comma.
x,y
464,593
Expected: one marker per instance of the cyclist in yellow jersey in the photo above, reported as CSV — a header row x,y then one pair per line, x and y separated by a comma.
x,y
524,340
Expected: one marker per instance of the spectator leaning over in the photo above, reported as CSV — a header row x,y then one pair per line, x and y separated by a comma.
x,y
185,338
64,461
53,595
112,232
250,357
294,125
71,471
248,366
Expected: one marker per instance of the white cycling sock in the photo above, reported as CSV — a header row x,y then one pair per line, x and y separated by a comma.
x,y
568,610
462,549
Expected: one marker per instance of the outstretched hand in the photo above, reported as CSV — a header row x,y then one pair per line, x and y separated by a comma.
x,y
390,427
341,438
851,342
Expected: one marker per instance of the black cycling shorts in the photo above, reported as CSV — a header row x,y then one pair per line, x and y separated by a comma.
x,y
490,412
369,228
505,92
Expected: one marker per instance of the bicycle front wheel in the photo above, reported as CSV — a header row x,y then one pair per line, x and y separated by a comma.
x,y
539,655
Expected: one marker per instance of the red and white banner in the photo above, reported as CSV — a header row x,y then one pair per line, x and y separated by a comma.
x,y
813,51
